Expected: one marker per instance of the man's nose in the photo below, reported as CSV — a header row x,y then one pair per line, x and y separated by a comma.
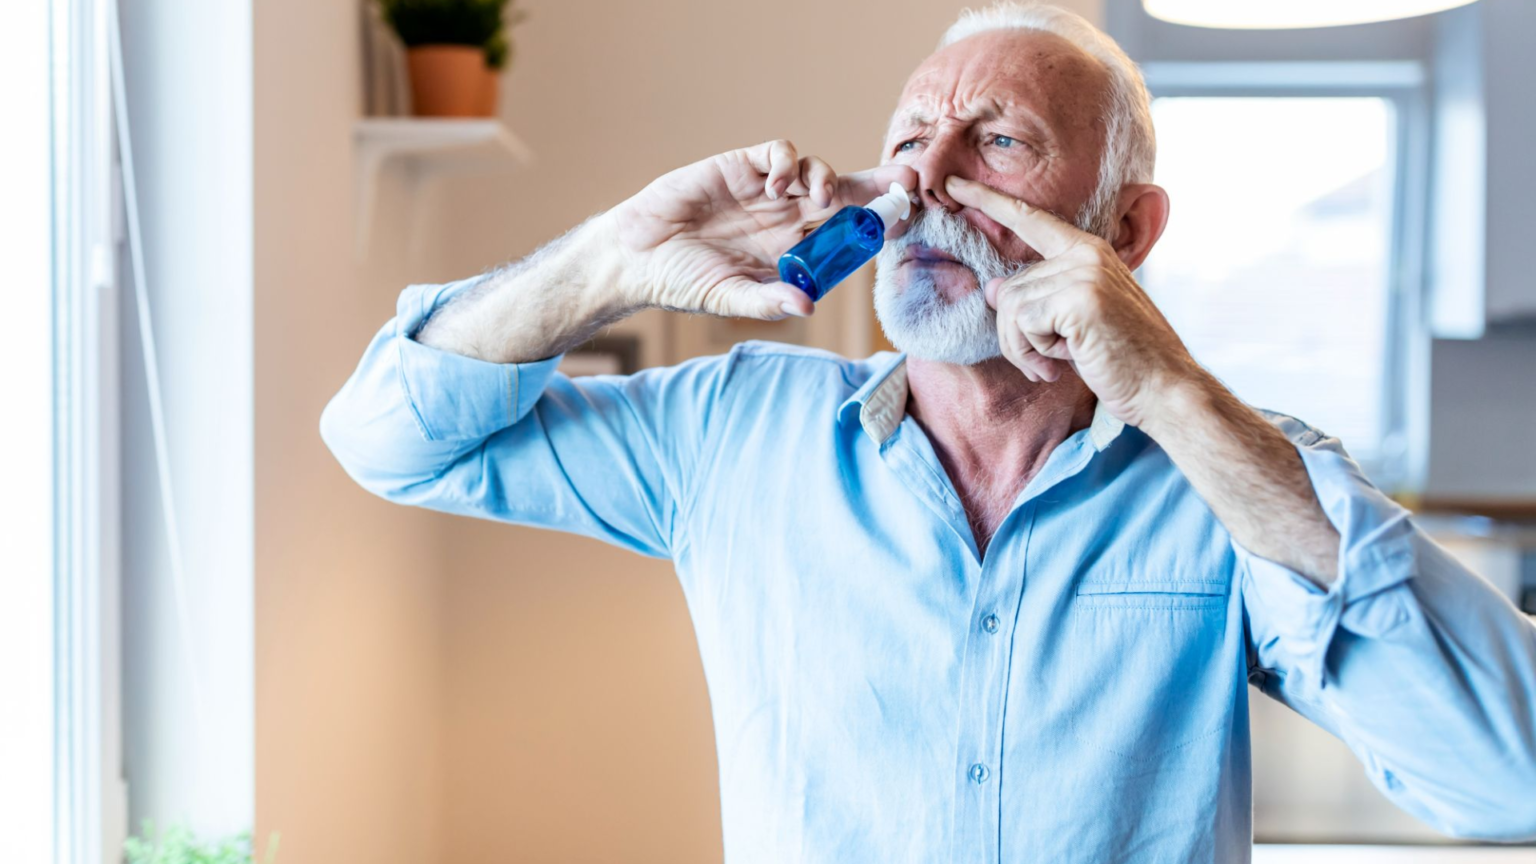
x,y
941,158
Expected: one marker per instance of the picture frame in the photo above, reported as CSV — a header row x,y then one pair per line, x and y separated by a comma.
x,y
610,354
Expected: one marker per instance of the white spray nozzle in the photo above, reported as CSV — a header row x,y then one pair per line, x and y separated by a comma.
x,y
891,206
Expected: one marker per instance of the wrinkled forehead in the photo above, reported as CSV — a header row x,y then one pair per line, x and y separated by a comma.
x,y
1039,76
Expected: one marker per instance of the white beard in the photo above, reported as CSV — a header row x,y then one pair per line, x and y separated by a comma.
x,y
920,321
916,317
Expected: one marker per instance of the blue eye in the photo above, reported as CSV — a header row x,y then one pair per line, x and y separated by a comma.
x,y
1003,141
905,146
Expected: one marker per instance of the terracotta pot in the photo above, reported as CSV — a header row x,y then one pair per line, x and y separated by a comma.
x,y
448,81
490,91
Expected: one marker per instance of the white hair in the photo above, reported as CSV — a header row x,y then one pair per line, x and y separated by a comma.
x,y
1130,145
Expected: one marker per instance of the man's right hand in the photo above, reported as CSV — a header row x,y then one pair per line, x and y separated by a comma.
x,y
707,237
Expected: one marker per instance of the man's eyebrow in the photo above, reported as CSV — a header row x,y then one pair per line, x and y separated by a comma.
x,y
1028,122
992,109
911,117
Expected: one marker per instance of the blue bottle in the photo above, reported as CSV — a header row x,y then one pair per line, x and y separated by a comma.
x,y
843,243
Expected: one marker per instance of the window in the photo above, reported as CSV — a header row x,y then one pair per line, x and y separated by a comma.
x,y
1282,267
56,745
1281,288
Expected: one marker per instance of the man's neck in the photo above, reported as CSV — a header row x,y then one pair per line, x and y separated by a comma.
x,y
993,429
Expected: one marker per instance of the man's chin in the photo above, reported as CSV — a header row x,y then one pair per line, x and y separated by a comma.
x,y
970,355
935,346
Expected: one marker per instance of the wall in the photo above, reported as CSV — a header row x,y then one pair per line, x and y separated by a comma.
x,y
349,589
578,724
1481,390
1484,396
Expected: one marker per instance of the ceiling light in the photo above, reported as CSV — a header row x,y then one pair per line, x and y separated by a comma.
x,y
1287,14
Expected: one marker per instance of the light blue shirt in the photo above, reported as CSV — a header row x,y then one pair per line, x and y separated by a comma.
x,y
882,693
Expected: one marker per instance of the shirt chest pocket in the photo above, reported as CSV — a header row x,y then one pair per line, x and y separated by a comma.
x,y
1150,671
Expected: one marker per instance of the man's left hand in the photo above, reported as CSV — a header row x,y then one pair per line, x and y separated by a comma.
x,y
1079,308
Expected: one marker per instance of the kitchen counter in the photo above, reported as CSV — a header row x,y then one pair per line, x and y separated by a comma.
x,y
1297,854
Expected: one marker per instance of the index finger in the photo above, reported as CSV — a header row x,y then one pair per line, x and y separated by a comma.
x,y
862,187
1041,229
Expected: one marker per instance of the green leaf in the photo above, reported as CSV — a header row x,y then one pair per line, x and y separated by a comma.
x,y
178,845
445,22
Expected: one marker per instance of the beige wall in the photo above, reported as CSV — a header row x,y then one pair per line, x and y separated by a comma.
x,y
348,588
578,724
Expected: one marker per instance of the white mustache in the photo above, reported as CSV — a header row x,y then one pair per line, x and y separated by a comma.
x,y
946,232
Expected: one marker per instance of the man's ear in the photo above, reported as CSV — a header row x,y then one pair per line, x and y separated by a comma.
x,y
1143,211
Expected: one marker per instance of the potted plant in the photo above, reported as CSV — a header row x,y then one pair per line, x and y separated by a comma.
x,y
497,52
454,49
177,845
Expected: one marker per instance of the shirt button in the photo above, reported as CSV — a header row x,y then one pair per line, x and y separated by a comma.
x,y
979,773
990,623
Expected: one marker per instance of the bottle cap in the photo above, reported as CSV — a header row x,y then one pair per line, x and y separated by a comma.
x,y
892,206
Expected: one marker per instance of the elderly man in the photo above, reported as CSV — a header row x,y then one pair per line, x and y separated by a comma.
x,y
998,597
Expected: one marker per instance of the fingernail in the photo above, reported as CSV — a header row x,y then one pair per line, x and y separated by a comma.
x,y
791,309
772,195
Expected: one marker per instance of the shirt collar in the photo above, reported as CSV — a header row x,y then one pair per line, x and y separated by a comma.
x,y
881,403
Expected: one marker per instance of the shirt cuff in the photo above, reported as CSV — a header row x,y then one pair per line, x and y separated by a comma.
x,y
1375,556
453,397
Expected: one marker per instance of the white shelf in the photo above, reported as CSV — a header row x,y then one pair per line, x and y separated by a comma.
x,y
426,147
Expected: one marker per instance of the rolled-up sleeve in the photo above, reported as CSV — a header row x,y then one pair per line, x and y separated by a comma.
x,y
608,456
1423,668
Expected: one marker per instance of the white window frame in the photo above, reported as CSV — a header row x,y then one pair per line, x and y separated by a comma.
x,y
1398,463
90,804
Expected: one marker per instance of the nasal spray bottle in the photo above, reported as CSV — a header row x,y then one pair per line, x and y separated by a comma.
x,y
843,243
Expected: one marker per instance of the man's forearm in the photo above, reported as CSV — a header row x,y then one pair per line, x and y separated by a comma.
x,y
538,307
1250,475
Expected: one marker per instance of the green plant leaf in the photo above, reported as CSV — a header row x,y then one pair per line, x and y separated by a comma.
x,y
444,22
497,51
178,845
